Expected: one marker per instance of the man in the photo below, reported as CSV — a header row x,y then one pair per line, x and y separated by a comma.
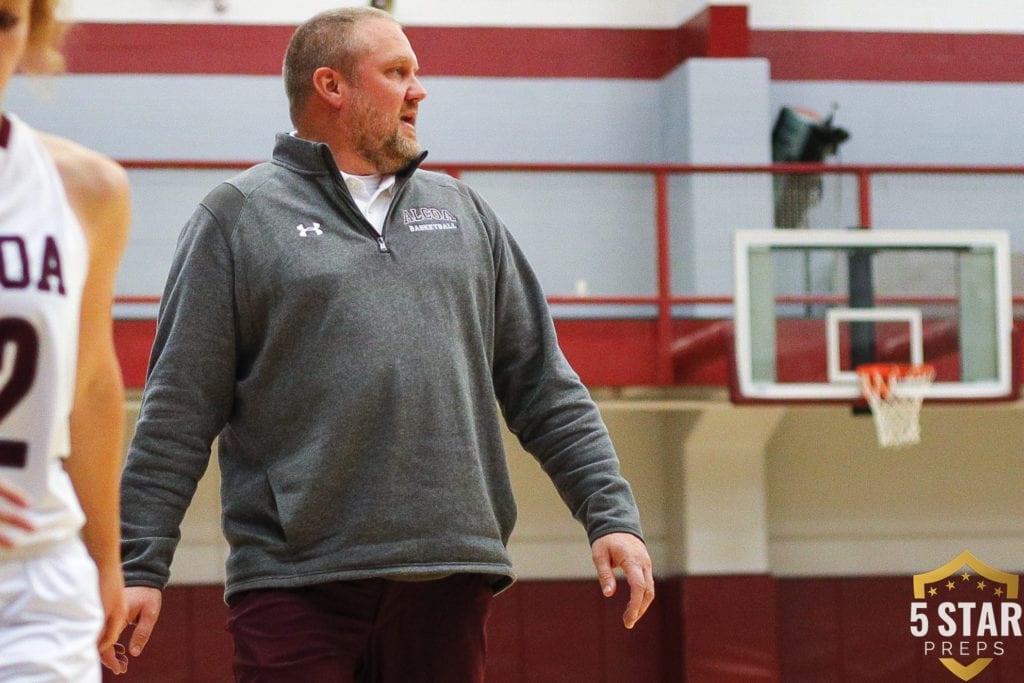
x,y
345,322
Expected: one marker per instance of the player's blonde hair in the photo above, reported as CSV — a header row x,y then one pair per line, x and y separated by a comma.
x,y
45,38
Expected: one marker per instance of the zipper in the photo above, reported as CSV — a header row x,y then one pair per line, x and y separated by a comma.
x,y
350,204
382,244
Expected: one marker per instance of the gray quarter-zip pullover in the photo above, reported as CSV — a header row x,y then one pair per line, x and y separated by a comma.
x,y
352,380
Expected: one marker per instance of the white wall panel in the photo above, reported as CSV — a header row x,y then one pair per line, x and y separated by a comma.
x,y
955,16
235,118
917,123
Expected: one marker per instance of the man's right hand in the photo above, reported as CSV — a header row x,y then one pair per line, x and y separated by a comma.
x,y
143,611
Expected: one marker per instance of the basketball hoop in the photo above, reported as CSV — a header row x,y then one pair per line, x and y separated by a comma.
x,y
894,392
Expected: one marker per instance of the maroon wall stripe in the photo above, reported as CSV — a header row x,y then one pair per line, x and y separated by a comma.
x,y
719,628
543,52
176,49
451,51
613,353
719,31
873,56
443,51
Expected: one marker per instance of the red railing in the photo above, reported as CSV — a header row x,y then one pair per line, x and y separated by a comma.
x,y
666,347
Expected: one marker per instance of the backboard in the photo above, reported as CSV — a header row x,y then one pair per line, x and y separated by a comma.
x,y
812,305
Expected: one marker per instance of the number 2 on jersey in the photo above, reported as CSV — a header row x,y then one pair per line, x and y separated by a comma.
x,y
19,353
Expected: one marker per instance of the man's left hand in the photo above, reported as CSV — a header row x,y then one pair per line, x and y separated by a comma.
x,y
626,552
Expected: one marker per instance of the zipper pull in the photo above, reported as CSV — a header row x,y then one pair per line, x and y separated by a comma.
x,y
381,244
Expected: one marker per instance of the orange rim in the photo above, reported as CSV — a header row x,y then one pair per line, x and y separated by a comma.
x,y
895,370
877,378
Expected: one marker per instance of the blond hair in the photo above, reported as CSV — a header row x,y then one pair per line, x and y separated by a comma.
x,y
45,38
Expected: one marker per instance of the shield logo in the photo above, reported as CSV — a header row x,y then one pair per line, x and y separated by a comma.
x,y
966,577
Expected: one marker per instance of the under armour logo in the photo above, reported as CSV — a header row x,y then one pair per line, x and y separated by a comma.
x,y
304,231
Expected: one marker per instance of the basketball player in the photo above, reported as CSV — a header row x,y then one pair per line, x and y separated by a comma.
x,y
64,215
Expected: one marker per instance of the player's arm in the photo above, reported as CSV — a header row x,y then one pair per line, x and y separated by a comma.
x,y
98,191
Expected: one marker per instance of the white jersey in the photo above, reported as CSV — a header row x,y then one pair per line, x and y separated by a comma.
x,y
43,264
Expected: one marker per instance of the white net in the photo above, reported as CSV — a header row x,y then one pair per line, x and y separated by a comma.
x,y
894,394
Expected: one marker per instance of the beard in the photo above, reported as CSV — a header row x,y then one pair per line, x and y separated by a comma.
x,y
382,139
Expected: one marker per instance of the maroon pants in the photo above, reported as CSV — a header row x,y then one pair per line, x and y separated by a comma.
x,y
369,631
